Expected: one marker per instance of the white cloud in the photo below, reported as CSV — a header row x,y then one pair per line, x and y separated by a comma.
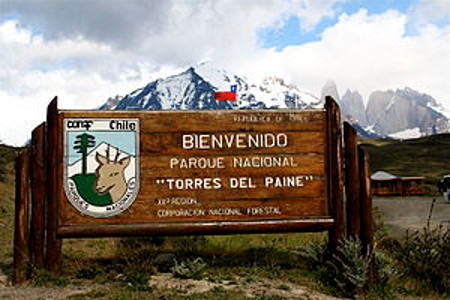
x,y
367,52
85,52
82,73
183,31
311,12
430,12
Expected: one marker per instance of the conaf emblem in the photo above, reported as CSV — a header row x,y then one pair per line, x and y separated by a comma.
x,y
101,177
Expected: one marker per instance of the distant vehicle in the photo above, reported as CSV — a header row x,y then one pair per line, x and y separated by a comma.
x,y
444,187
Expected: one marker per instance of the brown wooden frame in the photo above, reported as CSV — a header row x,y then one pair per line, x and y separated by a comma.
x,y
194,226
45,181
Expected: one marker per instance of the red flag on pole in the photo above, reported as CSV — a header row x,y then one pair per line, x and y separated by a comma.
x,y
227,96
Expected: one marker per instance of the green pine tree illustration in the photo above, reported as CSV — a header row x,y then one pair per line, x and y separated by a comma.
x,y
82,143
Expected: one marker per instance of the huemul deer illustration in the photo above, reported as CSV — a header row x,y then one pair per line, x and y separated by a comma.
x,y
110,175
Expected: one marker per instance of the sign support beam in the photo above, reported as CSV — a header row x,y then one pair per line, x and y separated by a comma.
x,y
54,243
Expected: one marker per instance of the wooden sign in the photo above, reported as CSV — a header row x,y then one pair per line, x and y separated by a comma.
x,y
141,173
195,168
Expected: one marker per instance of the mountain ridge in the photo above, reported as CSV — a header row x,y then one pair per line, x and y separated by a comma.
x,y
195,87
403,113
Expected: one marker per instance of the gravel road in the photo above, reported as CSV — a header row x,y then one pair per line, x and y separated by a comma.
x,y
401,213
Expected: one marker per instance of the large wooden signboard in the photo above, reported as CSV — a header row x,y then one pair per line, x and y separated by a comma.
x,y
140,173
193,171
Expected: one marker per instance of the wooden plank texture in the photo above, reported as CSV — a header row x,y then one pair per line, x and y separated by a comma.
x,y
352,181
21,230
335,173
192,228
54,243
366,201
38,197
210,120
205,166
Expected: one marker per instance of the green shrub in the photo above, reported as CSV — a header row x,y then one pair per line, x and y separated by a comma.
x,y
284,287
43,277
350,267
136,280
349,271
424,257
136,262
189,269
101,271
316,254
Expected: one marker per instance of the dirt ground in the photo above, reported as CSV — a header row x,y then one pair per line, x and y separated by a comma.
x,y
166,282
402,213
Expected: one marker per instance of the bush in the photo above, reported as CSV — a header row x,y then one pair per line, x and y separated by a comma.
x,y
424,257
316,254
136,262
43,277
189,269
349,271
350,267
92,270
136,280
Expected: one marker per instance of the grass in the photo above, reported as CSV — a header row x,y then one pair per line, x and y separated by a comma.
x,y
127,263
123,266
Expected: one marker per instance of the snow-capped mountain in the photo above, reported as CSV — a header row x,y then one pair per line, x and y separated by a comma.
x,y
401,114
404,113
195,87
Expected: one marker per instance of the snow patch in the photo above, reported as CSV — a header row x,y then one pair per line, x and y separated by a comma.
x,y
218,78
410,133
440,109
370,128
187,91
391,103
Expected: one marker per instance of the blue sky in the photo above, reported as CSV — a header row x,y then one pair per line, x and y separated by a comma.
x,y
87,51
292,33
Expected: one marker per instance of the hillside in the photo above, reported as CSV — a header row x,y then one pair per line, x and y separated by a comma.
x,y
428,156
262,266
7,157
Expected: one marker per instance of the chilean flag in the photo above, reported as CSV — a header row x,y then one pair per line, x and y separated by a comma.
x,y
227,96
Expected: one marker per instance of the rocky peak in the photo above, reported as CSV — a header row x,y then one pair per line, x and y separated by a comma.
x,y
330,89
400,112
195,87
352,107
391,112
112,102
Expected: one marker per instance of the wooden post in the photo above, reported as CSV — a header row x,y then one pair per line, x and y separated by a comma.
x,y
38,197
21,252
352,184
53,259
366,201
335,172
